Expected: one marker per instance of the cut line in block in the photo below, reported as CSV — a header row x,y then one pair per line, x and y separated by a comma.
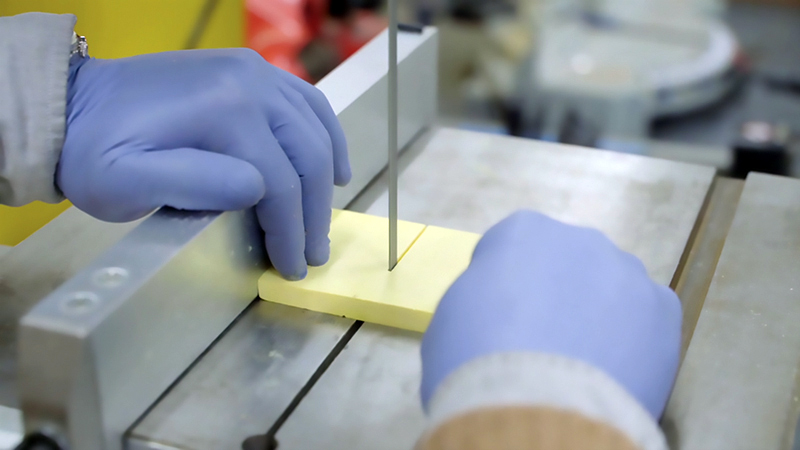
x,y
356,282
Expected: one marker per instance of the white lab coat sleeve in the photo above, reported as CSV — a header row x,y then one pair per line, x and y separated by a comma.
x,y
536,401
34,67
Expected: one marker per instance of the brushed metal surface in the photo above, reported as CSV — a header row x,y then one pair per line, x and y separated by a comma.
x,y
738,386
470,181
697,271
367,399
369,396
245,381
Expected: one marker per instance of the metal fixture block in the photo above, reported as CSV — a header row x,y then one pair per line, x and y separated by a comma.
x,y
100,349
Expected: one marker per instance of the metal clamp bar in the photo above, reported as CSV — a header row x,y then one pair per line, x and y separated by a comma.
x,y
100,349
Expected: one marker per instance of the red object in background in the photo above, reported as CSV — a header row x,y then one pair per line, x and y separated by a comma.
x,y
280,29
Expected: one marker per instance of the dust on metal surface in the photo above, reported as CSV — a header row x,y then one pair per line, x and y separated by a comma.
x,y
737,388
369,397
258,367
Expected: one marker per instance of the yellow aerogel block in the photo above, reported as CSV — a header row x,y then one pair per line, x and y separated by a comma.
x,y
355,283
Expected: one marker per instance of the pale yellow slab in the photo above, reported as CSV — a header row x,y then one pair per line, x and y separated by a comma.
x,y
356,283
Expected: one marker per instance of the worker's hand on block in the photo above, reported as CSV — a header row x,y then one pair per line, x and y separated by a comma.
x,y
549,298
205,130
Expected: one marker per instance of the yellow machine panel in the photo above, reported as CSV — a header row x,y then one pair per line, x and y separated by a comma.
x,y
119,28
356,283
16,224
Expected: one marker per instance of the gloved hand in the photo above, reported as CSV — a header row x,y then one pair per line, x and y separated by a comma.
x,y
538,285
205,130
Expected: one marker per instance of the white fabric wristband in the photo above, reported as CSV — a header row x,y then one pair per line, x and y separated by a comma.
x,y
537,379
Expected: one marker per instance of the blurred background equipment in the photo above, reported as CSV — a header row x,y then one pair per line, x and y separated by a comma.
x,y
602,71
761,147
310,37
672,79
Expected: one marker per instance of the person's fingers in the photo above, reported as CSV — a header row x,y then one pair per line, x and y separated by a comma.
x,y
187,178
313,162
241,129
280,212
183,178
244,133
322,108
304,110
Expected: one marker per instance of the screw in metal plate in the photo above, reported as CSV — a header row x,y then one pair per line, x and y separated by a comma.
x,y
110,277
80,303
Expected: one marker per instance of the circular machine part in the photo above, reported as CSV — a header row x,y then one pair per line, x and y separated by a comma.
x,y
702,78
620,74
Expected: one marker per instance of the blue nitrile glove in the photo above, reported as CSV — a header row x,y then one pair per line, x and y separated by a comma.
x,y
205,130
535,284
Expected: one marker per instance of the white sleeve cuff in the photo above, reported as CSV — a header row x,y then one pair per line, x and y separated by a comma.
x,y
538,379
34,50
